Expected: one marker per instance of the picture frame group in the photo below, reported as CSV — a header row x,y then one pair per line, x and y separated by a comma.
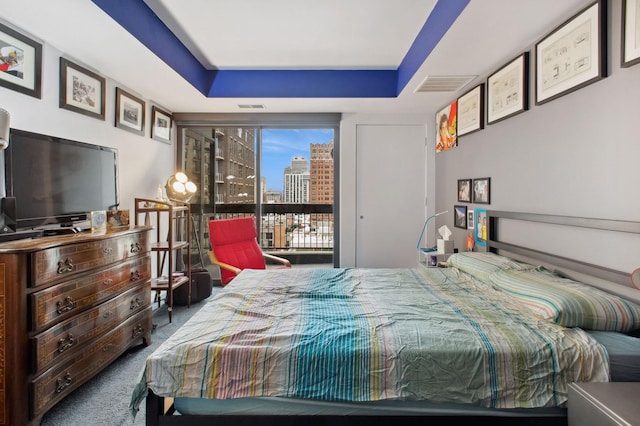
x,y
476,191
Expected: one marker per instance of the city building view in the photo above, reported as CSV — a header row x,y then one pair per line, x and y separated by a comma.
x,y
292,197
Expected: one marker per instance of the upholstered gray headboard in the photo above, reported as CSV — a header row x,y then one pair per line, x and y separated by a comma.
x,y
498,240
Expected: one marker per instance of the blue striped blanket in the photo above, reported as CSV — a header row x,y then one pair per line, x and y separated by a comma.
x,y
371,334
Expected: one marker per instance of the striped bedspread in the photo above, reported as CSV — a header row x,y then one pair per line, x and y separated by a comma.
x,y
371,334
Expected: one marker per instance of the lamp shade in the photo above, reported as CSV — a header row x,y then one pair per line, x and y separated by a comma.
x,y
180,188
4,128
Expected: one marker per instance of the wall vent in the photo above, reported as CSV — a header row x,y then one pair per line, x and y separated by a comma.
x,y
445,83
251,106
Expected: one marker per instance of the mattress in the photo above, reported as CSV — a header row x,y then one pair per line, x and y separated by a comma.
x,y
623,353
366,335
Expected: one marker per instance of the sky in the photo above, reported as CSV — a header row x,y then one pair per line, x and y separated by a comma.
x,y
279,146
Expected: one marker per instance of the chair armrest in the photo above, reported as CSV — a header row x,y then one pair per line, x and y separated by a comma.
x,y
223,265
282,260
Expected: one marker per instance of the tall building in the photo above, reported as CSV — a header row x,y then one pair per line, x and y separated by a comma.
x,y
321,174
296,181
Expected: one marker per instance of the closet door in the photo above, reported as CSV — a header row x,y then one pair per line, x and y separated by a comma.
x,y
390,194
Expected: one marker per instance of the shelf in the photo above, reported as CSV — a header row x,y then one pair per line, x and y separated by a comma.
x,y
157,284
172,222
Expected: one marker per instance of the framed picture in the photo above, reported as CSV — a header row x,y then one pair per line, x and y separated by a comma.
x,y
471,219
464,190
573,55
447,123
98,221
508,90
161,122
20,62
81,90
480,231
630,32
482,191
117,219
129,112
460,217
471,111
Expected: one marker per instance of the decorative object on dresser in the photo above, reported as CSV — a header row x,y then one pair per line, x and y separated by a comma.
x,y
69,306
178,237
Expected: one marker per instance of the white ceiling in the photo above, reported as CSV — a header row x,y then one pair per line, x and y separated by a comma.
x,y
291,34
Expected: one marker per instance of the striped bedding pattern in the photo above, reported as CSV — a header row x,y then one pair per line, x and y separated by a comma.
x,y
567,302
482,264
367,335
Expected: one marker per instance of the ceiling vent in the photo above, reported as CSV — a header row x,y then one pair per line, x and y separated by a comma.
x,y
250,106
445,83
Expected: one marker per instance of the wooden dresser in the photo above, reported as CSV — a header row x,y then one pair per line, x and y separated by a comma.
x,y
69,306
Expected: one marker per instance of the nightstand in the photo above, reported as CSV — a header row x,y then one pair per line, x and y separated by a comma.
x,y
602,404
440,259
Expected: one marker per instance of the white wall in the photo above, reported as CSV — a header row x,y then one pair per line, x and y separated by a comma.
x,y
144,163
575,156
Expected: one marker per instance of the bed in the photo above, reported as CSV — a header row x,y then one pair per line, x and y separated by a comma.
x,y
489,338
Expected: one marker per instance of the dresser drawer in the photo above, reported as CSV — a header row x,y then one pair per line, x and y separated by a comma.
x,y
70,336
56,383
64,300
64,261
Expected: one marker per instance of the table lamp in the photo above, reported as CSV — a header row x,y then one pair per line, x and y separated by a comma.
x,y
428,249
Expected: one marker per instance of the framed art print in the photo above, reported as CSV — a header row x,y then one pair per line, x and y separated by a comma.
x,y
161,122
81,90
508,90
471,111
630,32
447,123
482,191
129,112
20,62
573,55
460,217
480,231
464,190
471,220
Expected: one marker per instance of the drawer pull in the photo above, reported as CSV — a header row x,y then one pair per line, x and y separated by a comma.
x,y
107,347
107,250
136,303
64,344
107,314
108,281
135,247
65,265
65,305
63,382
137,331
135,276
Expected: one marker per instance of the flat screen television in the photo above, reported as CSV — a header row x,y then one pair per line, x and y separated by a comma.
x,y
58,181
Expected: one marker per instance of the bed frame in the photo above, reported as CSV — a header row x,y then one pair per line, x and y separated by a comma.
x,y
160,411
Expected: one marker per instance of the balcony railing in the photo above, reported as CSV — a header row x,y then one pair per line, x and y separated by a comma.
x,y
288,230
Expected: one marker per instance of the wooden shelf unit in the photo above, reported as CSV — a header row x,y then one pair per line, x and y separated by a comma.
x,y
168,245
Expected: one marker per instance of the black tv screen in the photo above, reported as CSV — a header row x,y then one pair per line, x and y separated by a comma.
x,y
58,181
